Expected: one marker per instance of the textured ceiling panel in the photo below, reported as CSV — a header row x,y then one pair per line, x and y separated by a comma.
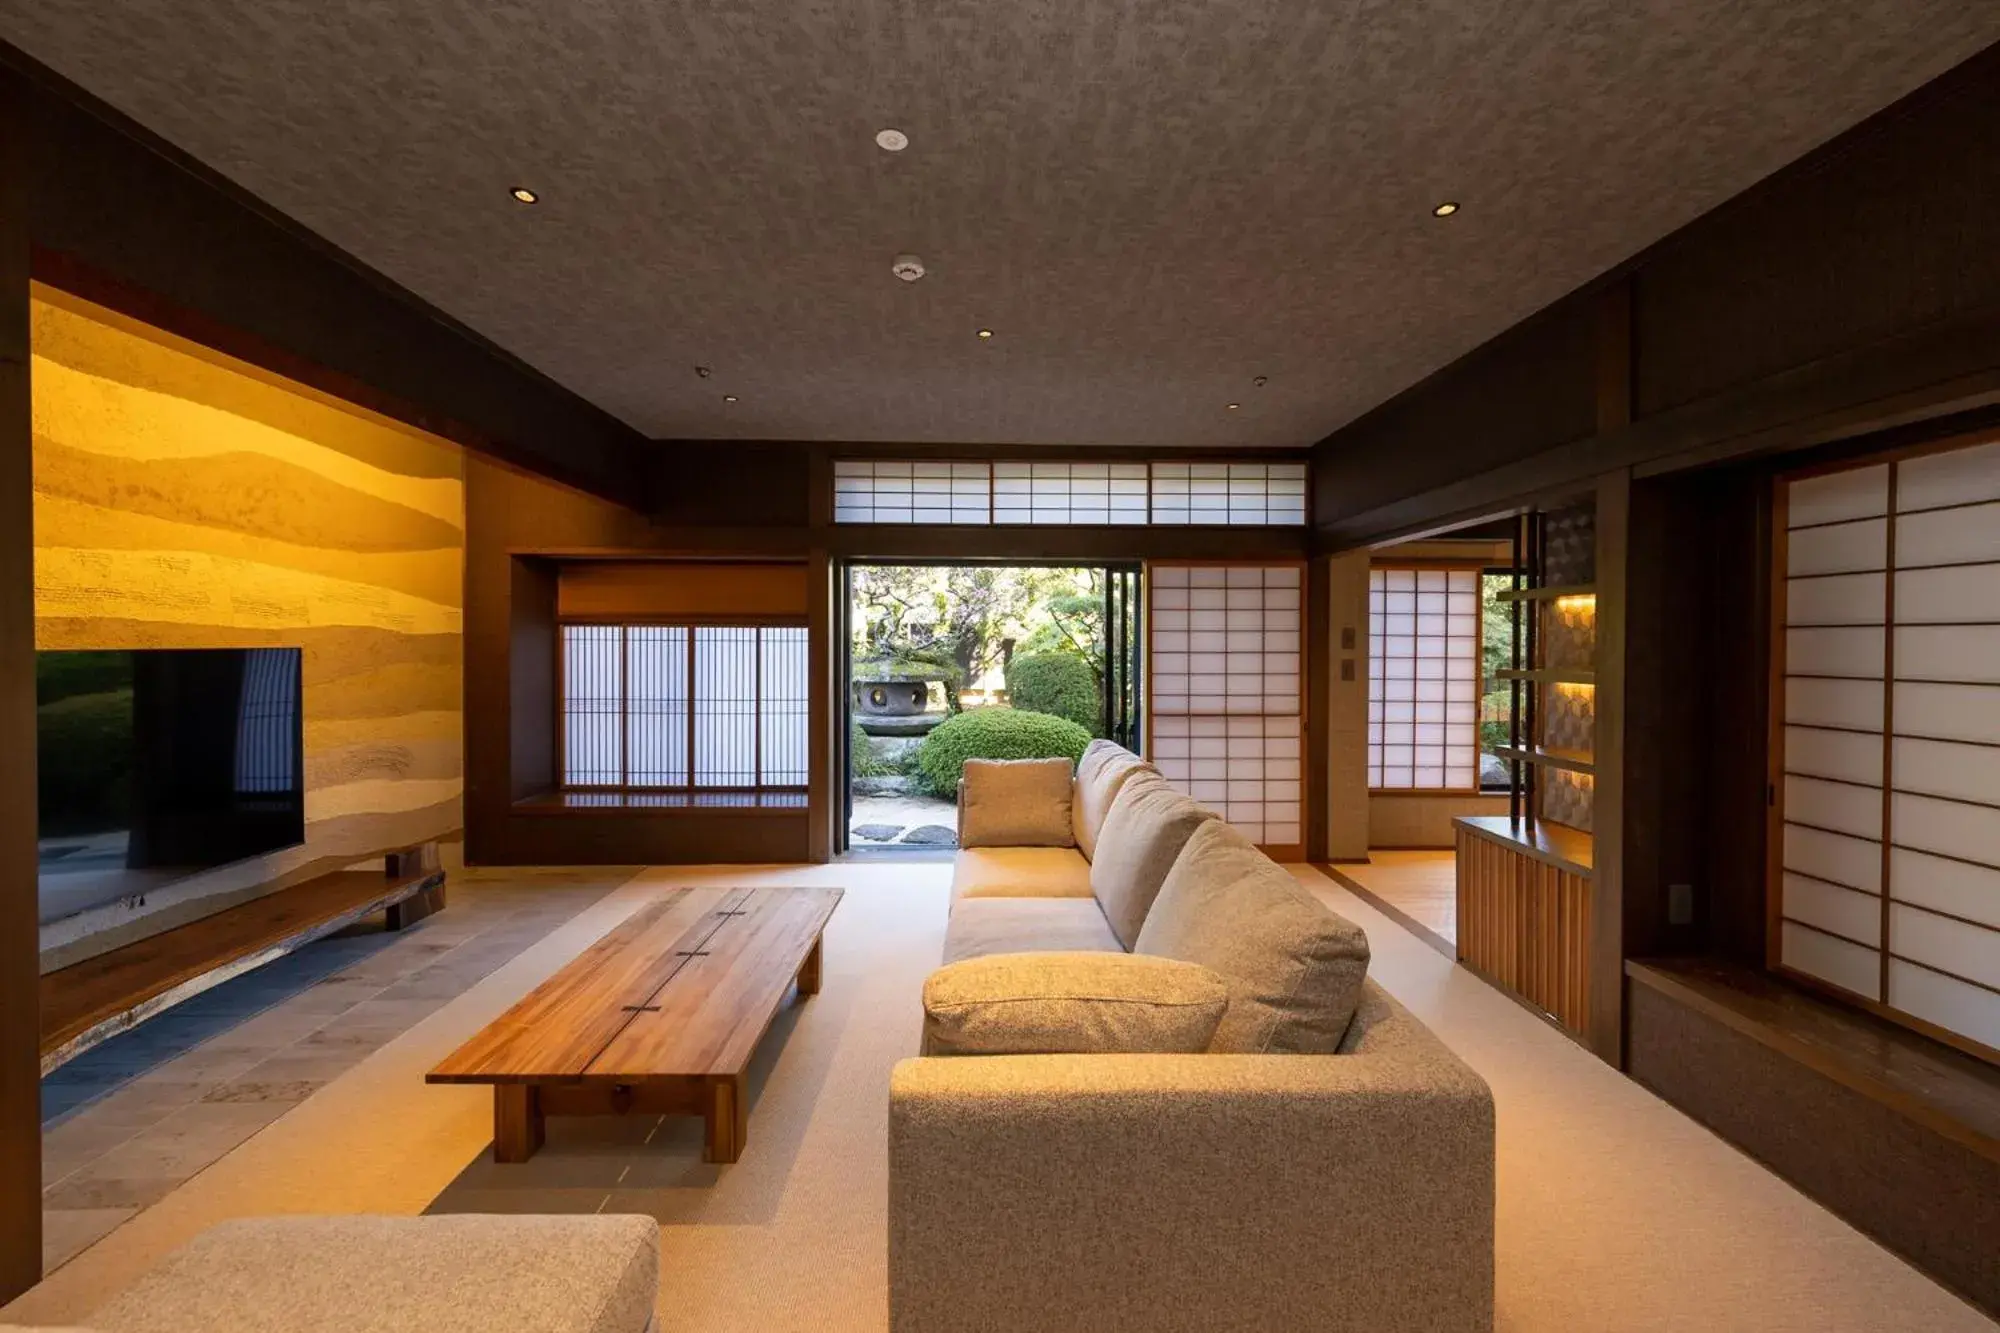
x,y
1150,202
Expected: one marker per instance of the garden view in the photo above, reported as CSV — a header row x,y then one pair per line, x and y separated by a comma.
x,y
959,662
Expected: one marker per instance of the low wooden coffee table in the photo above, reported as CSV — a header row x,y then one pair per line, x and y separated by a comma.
x,y
661,1016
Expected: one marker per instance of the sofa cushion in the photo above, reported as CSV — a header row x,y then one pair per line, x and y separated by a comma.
x,y
1071,1003
1148,825
1019,872
470,1273
1099,775
1015,803
980,926
1295,968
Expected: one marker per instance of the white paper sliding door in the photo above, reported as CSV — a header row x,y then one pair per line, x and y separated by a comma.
x,y
1889,812
1225,720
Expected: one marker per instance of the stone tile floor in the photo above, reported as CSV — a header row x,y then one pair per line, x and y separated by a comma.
x,y
128,1121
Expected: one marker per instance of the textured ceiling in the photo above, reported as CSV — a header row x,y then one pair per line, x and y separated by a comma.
x,y
1151,202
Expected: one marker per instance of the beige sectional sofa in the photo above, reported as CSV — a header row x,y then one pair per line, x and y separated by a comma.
x,y
470,1273
1247,1186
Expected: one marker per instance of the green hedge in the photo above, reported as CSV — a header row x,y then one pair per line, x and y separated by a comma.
x,y
1061,684
994,733
867,764
83,754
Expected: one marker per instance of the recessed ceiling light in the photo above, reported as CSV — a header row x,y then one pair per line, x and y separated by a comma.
x,y
1234,406
728,397
986,333
1445,209
523,195
892,141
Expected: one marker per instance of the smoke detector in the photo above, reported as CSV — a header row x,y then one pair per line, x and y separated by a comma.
x,y
907,267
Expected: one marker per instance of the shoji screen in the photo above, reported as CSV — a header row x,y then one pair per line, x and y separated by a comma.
x,y
1889,837
1224,717
1423,679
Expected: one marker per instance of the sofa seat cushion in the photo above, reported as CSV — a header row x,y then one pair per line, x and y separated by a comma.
x,y
1071,1004
1015,803
1148,825
981,926
1295,967
1100,774
470,1273
1019,872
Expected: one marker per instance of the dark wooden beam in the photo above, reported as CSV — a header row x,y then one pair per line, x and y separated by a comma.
x,y
20,1063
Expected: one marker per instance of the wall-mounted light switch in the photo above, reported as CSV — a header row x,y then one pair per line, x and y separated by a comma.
x,y
1347,637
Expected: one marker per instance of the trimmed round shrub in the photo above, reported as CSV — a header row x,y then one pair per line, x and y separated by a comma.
x,y
1061,684
994,733
867,763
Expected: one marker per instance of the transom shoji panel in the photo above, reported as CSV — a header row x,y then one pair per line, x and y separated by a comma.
x,y
1099,493
1226,657
1423,679
1068,493
1267,494
889,491
1890,882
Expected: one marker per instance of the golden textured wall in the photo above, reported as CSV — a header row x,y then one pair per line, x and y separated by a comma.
x,y
185,500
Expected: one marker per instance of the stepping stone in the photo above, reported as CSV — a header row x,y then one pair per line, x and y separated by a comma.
x,y
931,835
878,832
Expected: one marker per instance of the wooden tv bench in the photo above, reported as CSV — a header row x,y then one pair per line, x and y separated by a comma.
x,y
661,1016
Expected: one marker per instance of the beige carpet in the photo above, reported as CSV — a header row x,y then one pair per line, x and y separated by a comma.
x,y
1616,1212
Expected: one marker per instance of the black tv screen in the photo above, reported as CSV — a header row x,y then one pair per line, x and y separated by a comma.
x,y
155,764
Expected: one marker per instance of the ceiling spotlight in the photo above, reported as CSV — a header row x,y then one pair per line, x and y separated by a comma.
x,y
1234,406
703,371
907,267
892,141
523,195
1261,381
1445,209
728,397
986,333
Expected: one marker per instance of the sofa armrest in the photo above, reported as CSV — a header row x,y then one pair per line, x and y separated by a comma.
x,y
1192,1192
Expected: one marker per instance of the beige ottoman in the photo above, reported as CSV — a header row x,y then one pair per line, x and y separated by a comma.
x,y
468,1273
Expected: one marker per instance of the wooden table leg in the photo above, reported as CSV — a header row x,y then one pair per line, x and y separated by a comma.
x,y
518,1124
727,1113
811,969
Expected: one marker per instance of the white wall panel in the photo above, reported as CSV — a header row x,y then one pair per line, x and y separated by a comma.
x,y
1227,692
1954,654
1946,768
1852,704
1948,536
1840,806
1949,828
1846,965
1835,857
1970,891
1964,712
1960,476
1423,674
1845,755
1956,1006
1835,652
1942,827
1838,599
1838,548
1952,596
1845,912
1966,951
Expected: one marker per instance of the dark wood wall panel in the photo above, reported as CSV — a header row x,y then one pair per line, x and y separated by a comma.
x,y
1889,231
1532,387
1857,290
20,1063
122,218
1924,1195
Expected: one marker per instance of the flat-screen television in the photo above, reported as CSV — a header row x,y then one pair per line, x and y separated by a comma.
x,y
155,764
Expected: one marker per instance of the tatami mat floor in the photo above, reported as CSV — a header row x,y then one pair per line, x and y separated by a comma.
x,y
1615,1211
